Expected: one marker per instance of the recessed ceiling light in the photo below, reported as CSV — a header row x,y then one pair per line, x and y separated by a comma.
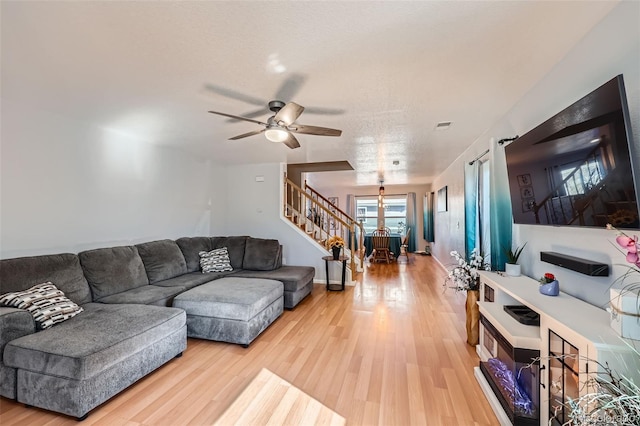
x,y
443,125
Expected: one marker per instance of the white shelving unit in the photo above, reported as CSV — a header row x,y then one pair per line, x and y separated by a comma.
x,y
584,326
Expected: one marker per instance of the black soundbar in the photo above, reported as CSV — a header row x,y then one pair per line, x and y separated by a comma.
x,y
584,266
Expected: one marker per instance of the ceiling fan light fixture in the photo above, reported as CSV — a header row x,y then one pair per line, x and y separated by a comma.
x,y
276,134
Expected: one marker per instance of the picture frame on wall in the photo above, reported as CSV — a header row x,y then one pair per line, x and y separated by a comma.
x,y
524,180
442,199
526,192
528,204
334,201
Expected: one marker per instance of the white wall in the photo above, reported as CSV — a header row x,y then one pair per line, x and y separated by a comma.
x,y
254,208
68,186
611,48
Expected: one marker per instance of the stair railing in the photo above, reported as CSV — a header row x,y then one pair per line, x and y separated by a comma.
x,y
320,221
345,217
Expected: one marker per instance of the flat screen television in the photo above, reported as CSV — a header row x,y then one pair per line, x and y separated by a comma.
x,y
575,169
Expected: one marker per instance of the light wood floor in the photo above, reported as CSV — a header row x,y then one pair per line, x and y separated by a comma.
x,y
389,351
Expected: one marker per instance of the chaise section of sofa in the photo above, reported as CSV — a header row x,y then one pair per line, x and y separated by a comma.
x,y
297,280
22,273
263,260
79,364
76,365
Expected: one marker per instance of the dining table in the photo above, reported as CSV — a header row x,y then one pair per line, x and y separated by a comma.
x,y
395,240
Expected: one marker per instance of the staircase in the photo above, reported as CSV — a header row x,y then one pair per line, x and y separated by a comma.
x,y
318,218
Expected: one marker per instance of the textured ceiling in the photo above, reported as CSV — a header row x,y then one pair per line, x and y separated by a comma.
x,y
384,72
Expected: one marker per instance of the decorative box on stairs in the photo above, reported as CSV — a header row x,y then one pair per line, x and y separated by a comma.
x,y
624,310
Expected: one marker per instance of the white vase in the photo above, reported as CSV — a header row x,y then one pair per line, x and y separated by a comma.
x,y
512,269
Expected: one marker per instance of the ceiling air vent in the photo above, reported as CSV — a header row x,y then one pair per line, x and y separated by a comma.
x,y
443,125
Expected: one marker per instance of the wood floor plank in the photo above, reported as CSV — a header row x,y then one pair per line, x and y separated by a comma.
x,y
390,350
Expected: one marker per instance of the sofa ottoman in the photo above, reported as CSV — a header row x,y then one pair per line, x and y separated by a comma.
x,y
233,310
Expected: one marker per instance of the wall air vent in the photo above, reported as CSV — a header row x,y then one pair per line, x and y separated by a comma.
x,y
443,125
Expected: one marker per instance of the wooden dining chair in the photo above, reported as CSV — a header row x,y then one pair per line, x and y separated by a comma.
x,y
405,245
380,240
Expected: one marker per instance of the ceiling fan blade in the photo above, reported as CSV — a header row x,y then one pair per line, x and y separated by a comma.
x,y
290,87
238,117
234,95
288,114
253,114
244,135
315,130
291,141
324,111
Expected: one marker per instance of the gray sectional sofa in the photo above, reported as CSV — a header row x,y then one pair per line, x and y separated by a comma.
x,y
139,305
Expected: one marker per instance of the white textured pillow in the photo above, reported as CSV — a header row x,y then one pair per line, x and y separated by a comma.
x,y
44,302
216,260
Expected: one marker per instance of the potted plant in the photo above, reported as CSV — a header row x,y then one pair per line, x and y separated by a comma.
x,y
335,243
512,268
465,276
549,286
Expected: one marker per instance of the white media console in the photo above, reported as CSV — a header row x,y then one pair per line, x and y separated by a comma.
x,y
572,338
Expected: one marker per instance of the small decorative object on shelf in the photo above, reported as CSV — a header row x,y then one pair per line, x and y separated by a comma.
x,y
549,286
465,276
335,243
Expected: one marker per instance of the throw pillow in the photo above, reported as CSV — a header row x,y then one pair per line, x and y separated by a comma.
x,y
216,260
44,302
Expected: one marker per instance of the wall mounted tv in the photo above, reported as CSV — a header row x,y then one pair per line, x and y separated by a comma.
x,y
575,169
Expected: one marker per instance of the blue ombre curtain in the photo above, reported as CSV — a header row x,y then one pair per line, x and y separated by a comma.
x,y
411,220
471,213
501,222
427,218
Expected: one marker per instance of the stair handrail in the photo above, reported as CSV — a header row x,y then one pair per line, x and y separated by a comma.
x,y
314,192
347,216
306,196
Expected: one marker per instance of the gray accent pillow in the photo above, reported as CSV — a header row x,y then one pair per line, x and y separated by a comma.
x,y
216,260
44,302
162,260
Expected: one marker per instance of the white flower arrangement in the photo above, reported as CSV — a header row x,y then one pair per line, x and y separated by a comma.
x,y
464,275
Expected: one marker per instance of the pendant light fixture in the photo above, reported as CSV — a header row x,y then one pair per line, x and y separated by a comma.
x,y
381,194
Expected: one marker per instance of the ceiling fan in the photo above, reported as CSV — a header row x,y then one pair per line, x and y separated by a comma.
x,y
281,126
287,91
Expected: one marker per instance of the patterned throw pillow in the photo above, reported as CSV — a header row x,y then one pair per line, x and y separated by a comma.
x,y
44,302
216,260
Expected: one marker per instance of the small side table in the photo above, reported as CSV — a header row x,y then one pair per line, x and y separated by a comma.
x,y
343,259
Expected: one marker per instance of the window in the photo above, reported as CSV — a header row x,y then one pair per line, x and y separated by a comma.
x,y
394,213
579,180
367,213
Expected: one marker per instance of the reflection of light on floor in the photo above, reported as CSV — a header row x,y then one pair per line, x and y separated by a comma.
x,y
381,319
384,297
